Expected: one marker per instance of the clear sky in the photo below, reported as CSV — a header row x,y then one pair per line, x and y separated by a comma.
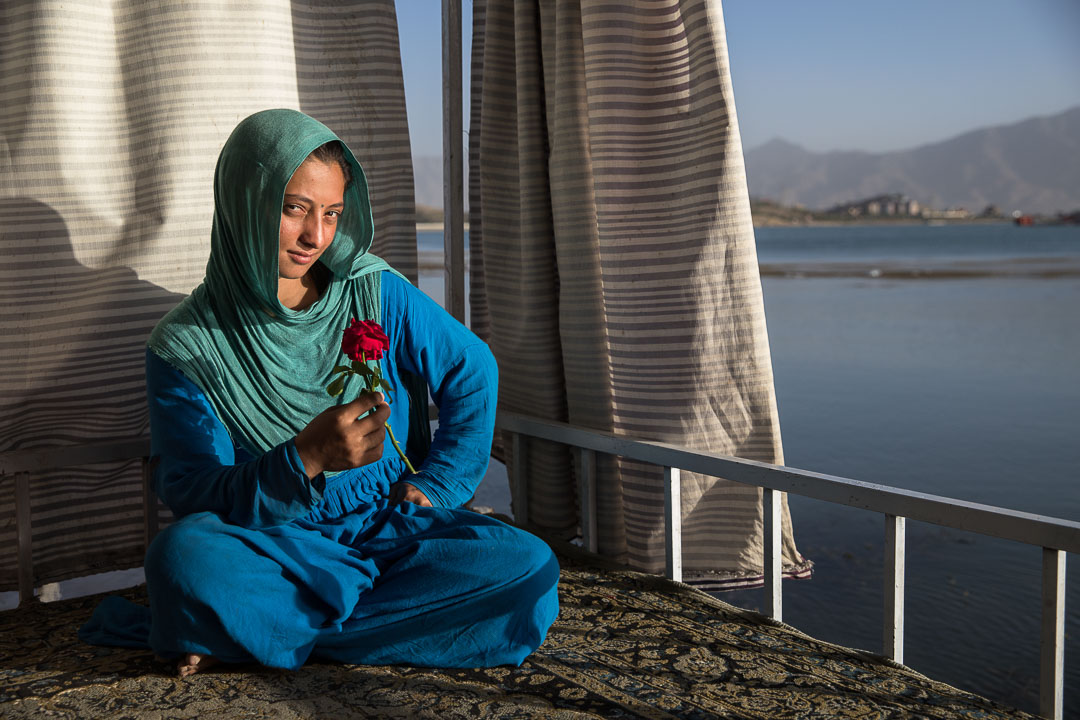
x,y
844,74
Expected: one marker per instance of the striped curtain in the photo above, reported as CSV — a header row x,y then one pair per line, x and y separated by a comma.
x,y
614,271
111,118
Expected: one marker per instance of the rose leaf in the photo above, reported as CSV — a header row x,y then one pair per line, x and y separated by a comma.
x,y
337,387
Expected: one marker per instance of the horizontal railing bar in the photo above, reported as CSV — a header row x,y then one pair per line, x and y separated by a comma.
x,y
988,520
53,458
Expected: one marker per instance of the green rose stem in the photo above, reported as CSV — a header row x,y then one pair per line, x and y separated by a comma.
x,y
373,379
397,447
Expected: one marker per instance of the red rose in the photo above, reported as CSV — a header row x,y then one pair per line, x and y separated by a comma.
x,y
364,340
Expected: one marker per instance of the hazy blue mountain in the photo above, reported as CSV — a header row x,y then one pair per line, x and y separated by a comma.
x,y
427,174
1033,166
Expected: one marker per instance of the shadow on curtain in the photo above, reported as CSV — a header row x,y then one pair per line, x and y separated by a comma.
x,y
71,372
114,114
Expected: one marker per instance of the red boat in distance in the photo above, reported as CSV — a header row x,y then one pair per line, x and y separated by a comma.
x,y
1063,219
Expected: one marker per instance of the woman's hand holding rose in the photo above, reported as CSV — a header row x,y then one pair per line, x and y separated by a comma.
x,y
337,440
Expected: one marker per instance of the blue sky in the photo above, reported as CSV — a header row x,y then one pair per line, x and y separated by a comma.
x,y
844,74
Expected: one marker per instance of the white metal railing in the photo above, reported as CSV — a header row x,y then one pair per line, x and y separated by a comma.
x,y
21,464
1053,535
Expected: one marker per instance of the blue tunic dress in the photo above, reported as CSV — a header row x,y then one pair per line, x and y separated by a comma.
x,y
268,565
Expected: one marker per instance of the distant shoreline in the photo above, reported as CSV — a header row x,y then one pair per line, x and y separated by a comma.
x,y
433,226
1021,267
431,262
769,222
891,222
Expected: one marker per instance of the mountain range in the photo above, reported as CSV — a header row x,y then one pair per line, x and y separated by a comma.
x,y
428,180
1032,166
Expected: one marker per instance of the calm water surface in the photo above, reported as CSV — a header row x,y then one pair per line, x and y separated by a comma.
x,y
921,242
968,388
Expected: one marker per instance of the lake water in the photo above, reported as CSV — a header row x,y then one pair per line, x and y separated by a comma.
x,y
960,385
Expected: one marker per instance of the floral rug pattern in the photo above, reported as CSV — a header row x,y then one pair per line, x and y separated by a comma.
x,y
626,645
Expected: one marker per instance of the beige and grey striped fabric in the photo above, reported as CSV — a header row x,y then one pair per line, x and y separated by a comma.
x,y
614,267
111,118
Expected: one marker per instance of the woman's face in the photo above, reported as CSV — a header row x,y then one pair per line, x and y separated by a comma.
x,y
314,200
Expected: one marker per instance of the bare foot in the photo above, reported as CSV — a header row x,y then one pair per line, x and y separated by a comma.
x,y
193,663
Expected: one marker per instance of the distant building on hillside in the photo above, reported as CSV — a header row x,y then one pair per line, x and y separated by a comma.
x,y
880,205
954,213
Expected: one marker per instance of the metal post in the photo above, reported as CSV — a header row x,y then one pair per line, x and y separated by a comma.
x,y
587,493
150,504
673,523
773,546
893,623
24,538
1052,651
521,484
453,168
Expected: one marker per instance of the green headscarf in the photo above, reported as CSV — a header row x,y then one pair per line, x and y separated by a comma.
x,y
264,367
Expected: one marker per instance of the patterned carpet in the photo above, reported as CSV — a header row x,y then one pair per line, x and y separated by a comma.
x,y
625,645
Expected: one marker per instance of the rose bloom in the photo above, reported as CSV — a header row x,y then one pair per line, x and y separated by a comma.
x,y
364,339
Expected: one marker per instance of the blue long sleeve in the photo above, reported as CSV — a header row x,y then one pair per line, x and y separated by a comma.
x,y
463,379
200,469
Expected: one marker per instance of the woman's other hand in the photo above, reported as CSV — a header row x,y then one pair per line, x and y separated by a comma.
x,y
407,492
339,438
